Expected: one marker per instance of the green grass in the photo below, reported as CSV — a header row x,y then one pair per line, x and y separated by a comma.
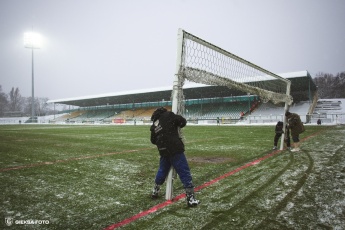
x,y
89,177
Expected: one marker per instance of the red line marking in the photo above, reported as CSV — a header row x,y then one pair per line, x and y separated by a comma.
x,y
177,198
255,162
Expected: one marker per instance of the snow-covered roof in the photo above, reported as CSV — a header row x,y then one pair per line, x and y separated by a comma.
x,y
166,89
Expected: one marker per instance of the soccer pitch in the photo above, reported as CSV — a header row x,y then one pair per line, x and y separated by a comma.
x,y
94,177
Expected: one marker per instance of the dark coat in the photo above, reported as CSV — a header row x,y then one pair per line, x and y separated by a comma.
x,y
165,133
279,127
295,124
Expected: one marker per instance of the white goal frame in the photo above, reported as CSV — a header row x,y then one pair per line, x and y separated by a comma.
x,y
207,76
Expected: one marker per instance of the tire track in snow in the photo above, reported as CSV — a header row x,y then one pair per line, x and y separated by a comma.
x,y
177,198
225,214
282,204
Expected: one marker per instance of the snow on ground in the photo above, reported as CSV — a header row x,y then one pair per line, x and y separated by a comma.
x,y
322,196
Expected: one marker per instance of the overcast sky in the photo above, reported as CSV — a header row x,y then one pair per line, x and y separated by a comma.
x,y
96,47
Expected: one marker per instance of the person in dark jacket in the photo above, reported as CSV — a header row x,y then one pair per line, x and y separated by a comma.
x,y
296,126
165,135
279,132
319,121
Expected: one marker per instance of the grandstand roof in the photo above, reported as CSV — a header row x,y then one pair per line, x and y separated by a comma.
x,y
301,84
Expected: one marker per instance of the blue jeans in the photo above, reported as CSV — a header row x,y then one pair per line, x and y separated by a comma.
x,y
180,164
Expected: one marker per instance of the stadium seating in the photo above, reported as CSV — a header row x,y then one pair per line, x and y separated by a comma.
x,y
206,111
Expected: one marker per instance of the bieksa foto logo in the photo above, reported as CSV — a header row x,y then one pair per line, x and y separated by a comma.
x,y
8,221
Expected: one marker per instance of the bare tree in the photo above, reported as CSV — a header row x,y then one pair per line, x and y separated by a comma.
x,y
330,86
15,102
27,106
41,106
339,91
3,102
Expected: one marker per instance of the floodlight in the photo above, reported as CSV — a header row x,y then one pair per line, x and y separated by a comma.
x,y
32,40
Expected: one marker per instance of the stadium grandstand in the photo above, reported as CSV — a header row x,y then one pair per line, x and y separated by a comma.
x,y
203,104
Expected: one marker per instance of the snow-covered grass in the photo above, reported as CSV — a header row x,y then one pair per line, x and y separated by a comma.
x,y
90,177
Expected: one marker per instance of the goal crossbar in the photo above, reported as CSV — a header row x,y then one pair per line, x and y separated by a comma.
x,y
226,53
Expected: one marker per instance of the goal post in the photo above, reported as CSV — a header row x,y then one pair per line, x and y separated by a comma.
x,y
176,107
201,62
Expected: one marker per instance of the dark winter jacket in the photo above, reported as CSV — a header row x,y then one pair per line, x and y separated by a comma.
x,y
279,128
295,124
165,133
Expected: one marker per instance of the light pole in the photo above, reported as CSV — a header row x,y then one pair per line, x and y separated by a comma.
x,y
32,41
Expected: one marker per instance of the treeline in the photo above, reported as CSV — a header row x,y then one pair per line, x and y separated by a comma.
x,y
12,104
330,86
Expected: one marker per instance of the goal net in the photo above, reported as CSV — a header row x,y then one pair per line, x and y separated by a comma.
x,y
202,62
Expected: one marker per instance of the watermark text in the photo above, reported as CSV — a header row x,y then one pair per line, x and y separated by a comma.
x,y
9,221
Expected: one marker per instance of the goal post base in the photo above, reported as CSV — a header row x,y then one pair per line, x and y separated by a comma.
x,y
169,185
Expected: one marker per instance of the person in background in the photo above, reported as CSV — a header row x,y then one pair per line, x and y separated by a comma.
x,y
165,135
296,127
279,132
319,121
241,115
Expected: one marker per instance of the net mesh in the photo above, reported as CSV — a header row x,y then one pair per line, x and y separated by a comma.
x,y
204,63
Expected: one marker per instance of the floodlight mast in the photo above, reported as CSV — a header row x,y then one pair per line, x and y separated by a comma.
x,y
32,41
